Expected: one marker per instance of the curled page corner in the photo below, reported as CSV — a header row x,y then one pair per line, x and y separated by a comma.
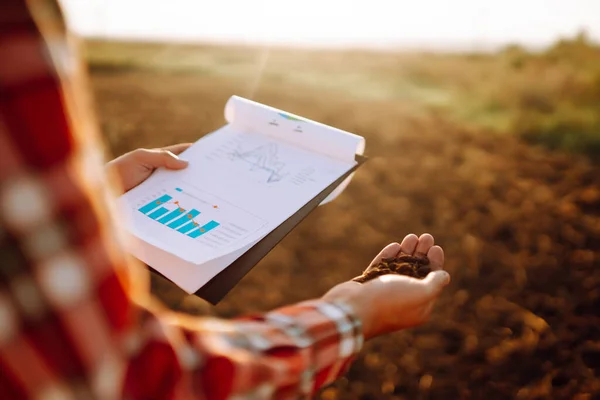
x,y
188,276
252,117
333,195
338,190
230,109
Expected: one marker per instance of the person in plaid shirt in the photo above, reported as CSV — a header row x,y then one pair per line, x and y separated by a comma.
x,y
76,318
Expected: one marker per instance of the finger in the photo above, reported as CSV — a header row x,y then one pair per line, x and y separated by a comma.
x,y
391,250
436,258
424,244
177,148
157,158
435,282
409,244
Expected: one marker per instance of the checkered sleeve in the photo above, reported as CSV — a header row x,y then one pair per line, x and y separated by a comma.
x,y
287,353
76,320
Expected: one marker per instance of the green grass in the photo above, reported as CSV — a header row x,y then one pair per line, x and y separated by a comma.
x,y
550,98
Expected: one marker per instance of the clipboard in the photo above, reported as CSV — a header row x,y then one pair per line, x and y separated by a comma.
x,y
204,271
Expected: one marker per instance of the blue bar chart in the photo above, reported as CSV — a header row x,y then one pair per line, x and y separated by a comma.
x,y
169,212
185,219
203,229
178,212
158,213
187,228
155,203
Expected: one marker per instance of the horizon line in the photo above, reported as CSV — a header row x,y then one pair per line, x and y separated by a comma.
x,y
466,46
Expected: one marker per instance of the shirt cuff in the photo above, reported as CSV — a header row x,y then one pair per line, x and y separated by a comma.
x,y
330,331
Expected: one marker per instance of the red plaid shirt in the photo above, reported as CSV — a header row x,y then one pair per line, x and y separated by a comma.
x,y
75,319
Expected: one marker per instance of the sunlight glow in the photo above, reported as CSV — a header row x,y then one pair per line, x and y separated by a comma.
x,y
379,23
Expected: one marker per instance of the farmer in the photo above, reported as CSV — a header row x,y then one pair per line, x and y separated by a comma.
x,y
76,319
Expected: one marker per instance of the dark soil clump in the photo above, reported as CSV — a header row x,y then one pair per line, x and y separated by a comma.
x,y
404,264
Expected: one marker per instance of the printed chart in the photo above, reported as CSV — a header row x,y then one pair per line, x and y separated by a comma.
x,y
265,162
193,214
263,158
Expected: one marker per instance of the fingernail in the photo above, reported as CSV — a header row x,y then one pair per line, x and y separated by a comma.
x,y
175,156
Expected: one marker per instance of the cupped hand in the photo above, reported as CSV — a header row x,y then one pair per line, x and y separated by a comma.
x,y
136,166
393,302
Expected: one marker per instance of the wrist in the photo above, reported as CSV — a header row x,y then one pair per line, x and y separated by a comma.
x,y
350,329
351,297
363,312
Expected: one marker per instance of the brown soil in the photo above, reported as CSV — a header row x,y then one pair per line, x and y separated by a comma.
x,y
520,228
404,264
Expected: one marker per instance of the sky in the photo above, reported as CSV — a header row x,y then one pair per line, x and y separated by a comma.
x,y
431,24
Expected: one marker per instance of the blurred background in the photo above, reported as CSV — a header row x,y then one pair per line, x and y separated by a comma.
x,y
482,122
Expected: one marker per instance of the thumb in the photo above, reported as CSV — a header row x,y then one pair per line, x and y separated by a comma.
x,y
164,158
436,281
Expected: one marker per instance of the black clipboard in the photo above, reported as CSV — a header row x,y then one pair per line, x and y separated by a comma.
x,y
215,289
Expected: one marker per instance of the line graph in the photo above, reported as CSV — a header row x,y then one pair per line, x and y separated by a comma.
x,y
264,158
